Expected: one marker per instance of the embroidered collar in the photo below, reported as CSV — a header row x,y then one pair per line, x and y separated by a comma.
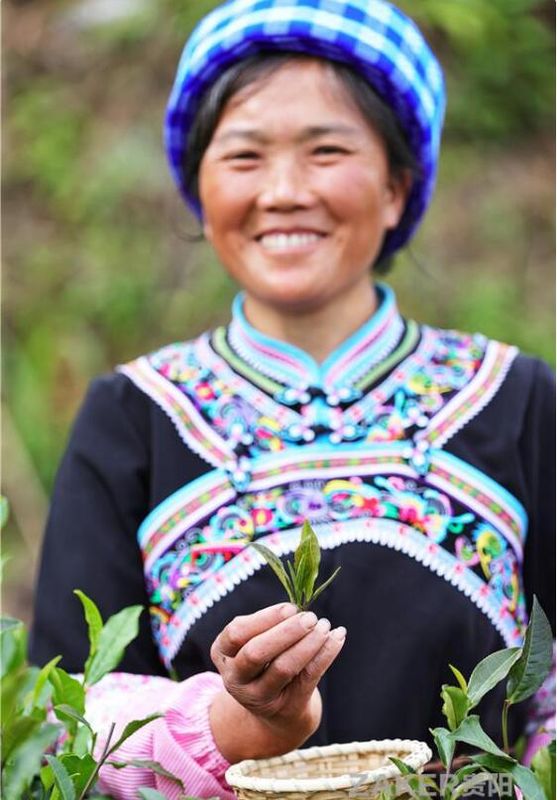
x,y
336,377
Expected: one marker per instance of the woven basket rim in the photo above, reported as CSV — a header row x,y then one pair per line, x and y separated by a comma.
x,y
416,755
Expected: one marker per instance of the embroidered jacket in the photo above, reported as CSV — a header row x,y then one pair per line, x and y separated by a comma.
x,y
422,457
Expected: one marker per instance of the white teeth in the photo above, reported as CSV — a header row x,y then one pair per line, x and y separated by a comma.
x,y
286,241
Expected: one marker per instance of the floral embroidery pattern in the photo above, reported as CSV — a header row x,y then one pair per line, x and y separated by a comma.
x,y
202,551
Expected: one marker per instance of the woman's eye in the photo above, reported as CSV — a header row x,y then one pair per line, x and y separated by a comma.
x,y
243,155
329,150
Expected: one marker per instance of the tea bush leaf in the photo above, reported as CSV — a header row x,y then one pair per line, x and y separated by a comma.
x,y
405,769
471,732
131,728
144,763
530,671
82,741
13,645
150,794
67,690
121,629
16,733
61,778
64,712
94,625
523,777
10,692
42,679
458,778
25,762
543,765
276,565
80,768
445,745
460,678
455,705
490,671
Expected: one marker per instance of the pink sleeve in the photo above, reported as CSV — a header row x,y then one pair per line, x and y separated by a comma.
x,y
181,741
540,729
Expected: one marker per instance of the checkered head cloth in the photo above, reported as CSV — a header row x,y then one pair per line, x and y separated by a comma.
x,y
372,36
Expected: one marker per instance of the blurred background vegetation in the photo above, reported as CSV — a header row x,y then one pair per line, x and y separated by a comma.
x,y
99,266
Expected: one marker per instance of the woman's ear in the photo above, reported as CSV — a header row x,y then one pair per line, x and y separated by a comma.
x,y
398,191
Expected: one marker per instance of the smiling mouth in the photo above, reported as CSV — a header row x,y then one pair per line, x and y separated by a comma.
x,y
282,242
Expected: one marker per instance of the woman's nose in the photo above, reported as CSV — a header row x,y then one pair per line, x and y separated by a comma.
x,y
285,186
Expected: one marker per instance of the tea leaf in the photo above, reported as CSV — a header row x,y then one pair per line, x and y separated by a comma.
x,y
150,794
82,741
404,768
17,733
523,777
94,625
292,575
455,705
13,645
543,765
25,761
300,579
304,579
80,768
457,779
445,745
121,629
144,763
131,728
460,678
306,560
324,585
276,565
490,670
42,679
67,690
61,778
530,671
471,732
64,711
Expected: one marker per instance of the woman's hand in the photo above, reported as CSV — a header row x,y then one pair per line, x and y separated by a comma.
x,y
270,663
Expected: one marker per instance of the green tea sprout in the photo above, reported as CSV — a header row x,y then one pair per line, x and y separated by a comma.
x,y
299,580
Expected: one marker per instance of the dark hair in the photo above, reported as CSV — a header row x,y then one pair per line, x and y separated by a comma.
x,y
246,72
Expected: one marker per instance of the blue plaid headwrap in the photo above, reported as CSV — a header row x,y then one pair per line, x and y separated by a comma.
x,y
372,36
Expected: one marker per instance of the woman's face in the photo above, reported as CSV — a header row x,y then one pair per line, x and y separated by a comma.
x,y
296,190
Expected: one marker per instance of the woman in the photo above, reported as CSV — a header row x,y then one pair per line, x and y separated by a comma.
x,y
306,138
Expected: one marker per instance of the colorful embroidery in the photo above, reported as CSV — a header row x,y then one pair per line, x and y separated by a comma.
x,y
355,447
384,532
453,520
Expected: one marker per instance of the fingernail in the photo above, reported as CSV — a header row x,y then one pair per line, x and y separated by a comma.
x,y
309,619
339,633
288,610
323,625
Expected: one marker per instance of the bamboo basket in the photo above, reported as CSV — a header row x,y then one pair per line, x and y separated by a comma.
x,y
336,772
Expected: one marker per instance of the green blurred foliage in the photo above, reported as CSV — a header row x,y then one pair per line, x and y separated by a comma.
x,y
100,262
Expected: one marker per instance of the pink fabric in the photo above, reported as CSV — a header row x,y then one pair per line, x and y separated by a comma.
x,y
181,741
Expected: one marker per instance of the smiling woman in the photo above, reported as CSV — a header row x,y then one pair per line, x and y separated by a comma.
x,y
297,206
305,136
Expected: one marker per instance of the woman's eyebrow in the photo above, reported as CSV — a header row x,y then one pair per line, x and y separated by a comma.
x,y
259,137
